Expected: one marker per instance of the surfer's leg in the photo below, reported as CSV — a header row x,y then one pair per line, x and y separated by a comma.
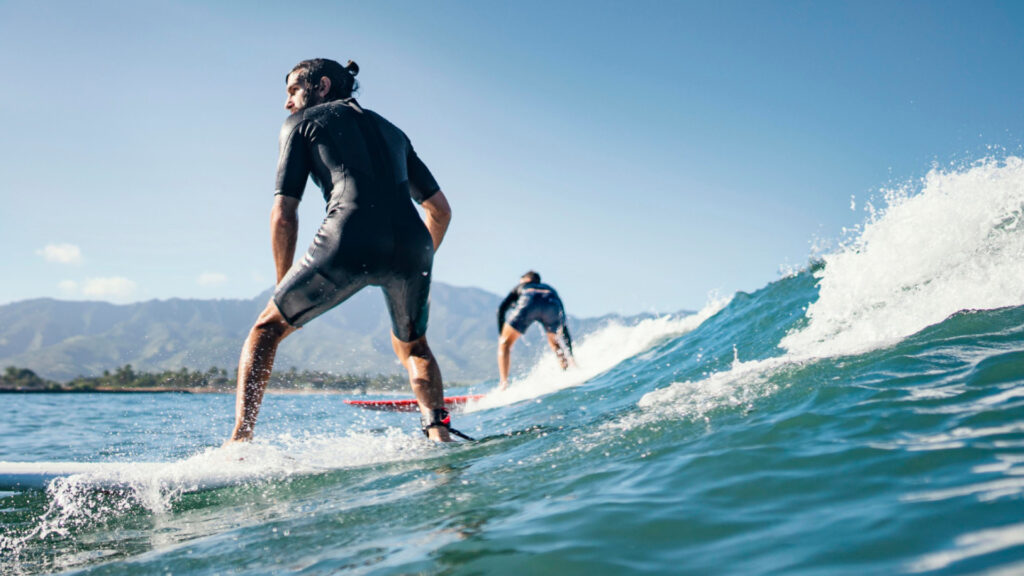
x,y
407,294
556,345
313,286
551,315
254,367
508,337
424,378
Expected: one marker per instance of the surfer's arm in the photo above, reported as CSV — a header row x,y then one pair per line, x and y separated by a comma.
x,y
293,167
503,309
437,214
427,193
284,232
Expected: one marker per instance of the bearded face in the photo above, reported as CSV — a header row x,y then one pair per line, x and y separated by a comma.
x,y
301,94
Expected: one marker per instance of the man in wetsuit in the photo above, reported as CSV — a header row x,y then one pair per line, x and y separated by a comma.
x,y
527,303
372,235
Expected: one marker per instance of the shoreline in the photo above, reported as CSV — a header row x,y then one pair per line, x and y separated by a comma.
x,y
270,391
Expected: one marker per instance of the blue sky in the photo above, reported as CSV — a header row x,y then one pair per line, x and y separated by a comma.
x,y
639,154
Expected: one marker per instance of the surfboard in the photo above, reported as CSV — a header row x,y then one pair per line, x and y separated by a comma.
x,y
203,472
410,405
37,475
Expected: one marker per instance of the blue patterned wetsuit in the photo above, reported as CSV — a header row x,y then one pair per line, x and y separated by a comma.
x,y
534,302
372,234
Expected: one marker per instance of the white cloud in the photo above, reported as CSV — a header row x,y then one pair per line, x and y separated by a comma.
x,y
212,279
61,253
116,288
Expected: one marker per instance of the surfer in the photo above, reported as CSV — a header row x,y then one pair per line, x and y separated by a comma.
x,y
372,235
527,303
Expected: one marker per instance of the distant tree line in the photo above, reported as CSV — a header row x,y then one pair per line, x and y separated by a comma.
x,y
214,379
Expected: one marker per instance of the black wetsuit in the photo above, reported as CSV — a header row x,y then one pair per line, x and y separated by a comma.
x,y
534,302
372,234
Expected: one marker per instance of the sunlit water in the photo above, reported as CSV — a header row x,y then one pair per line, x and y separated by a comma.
x,y
865,416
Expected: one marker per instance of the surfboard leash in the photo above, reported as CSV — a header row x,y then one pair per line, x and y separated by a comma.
x,y
441,417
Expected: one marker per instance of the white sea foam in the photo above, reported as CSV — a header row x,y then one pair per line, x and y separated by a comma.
x,y
739,388
155,485
596,353
957,244
91,498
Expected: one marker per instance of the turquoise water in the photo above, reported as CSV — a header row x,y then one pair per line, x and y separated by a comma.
x,y
863,416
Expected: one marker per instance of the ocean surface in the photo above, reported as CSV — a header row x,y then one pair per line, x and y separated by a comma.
x,y
864,415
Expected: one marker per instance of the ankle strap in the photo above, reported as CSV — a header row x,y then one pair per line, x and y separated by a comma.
x,y
440,417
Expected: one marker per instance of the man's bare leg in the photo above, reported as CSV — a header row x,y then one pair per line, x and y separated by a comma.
x,y
556,345
424,378
508,337
254,367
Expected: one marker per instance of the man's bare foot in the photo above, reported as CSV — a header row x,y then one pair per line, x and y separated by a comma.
x,y
238,435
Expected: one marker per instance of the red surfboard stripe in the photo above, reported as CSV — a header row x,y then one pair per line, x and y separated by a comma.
x,y
410,404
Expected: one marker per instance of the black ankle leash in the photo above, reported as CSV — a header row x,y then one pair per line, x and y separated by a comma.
x,y
440,418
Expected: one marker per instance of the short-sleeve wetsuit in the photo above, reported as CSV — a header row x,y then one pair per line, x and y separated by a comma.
x,y
534,302
372,234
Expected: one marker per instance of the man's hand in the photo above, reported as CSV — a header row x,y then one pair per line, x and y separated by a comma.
x,y
438,215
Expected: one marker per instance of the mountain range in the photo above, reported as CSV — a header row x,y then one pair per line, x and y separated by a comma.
x,y
60,340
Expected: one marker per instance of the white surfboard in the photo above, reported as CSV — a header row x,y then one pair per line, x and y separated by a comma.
x,y
201,472
26,475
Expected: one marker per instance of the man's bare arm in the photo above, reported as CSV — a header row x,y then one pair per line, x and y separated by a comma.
x,y
438,214
284,232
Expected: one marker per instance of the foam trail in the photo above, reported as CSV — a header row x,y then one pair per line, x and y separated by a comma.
x,y
738,387
956,245
595,354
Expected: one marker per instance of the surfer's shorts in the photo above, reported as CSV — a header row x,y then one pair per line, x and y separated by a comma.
x,y
334,269
537,306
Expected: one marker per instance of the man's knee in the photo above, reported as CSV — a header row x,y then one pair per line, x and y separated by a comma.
x,y
417,348
506,340
420,349
409,330
272,323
